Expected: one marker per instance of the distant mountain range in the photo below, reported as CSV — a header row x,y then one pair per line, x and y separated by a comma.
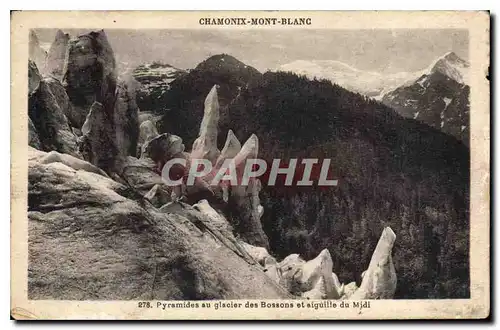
x,y
369,83
437,95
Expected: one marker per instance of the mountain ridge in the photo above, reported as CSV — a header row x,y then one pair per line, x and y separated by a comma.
x,y
372,83
439,98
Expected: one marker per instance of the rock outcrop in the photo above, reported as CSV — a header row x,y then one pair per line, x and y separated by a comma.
x,y
231,148
162,148
56,57
214,224
33,139
379,281
244,200
289,268
259,254
272,270
241,201
105,110
337,285
62,99
34,77
349,290
109,136
312,279
97,143
217,220
205,146
147,131
90,74
89,241
126,120
319,291
50,122
143,177
48,106
36,52
316,270
65,159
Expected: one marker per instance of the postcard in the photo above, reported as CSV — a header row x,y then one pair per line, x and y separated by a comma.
x,y
250,165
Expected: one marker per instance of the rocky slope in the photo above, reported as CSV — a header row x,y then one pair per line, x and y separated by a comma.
x,y
103,225
89,240
439,97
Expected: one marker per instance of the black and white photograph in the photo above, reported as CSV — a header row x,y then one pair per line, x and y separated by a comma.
x,y
284,166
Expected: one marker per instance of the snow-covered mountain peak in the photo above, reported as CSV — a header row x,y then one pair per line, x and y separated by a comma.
x,y
155,72
155,77
439,98
452,66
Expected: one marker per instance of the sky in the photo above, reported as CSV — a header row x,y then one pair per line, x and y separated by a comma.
x,y
380,50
